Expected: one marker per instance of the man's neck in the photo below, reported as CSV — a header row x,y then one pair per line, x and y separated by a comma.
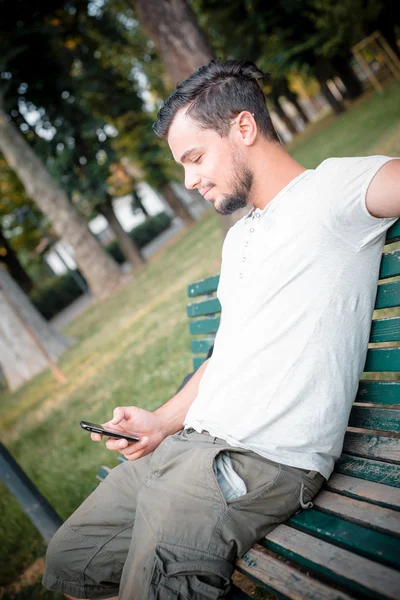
x,y
273,170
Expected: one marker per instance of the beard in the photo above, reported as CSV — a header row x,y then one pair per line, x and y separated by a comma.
x,y
241,184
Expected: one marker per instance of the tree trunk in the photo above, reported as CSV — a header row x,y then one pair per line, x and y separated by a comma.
x,y
337,106
347,75
11,262
21,358
292,97
137,203
182,45
299,109
171,198
128,247
284,117
323,71
172,26
100,271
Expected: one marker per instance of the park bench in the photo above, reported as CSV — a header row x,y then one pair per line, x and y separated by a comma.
x,y
348,544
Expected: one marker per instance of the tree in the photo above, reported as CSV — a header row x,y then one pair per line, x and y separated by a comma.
x,y
173,28
100,271
28,344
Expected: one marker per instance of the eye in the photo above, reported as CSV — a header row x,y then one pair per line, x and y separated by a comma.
x,y
195,161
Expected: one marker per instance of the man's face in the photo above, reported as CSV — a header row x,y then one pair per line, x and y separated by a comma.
x,y
213,165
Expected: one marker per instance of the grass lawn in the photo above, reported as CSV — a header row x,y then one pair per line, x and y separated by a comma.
x,y
134,349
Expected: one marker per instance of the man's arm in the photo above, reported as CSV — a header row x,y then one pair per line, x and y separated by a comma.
x,y
151,427
383,194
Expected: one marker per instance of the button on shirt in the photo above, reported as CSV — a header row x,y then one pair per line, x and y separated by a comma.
x,y
297,289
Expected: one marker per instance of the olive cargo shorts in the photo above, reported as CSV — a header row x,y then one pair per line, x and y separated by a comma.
x,y
160,528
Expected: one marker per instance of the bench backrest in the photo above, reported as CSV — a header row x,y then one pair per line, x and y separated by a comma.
x,y
372,456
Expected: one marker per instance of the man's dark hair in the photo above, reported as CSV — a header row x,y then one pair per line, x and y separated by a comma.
x,y
215,94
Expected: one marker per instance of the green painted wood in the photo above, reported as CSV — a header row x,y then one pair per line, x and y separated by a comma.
x,y
365,542
393,234
197,362
103,472
388,295
372,446
353,572
205,286
202,326
390,265
207,307
379,392
383,359
201,346
378,494
385,330
384,419
362,513
367,468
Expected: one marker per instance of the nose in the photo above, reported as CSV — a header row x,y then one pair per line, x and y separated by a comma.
x,y
192,180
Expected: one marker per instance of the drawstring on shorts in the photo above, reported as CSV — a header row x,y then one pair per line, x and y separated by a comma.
x,y
302,503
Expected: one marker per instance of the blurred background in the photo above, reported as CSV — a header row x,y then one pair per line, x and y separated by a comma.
x,y
98,237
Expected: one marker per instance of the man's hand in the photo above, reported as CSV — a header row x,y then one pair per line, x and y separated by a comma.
x,y
147,426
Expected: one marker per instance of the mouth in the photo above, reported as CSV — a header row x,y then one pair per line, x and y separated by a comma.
x,y
206,192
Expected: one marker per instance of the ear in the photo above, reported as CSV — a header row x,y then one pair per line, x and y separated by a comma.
x,y
246,127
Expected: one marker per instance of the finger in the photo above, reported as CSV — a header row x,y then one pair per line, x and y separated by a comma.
x,y
96,437
114,444
135,448
119,415
136,455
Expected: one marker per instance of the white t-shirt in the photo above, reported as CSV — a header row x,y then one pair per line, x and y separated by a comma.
x,y
297,289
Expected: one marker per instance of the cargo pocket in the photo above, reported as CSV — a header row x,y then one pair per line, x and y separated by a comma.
x,y
181,573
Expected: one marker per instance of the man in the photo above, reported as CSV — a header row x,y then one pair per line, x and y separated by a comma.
x,y
253,435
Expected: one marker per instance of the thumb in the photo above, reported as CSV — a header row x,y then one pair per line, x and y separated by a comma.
x,y
119,415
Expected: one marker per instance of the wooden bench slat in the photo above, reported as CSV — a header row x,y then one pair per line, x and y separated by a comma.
x,y
201,346
284,579
342,566
366,468
379,392
360,512
371,544
384,419
202,326
204,286
198,361
393,233
206,307
388,295
390,265
377,493
382,359
385,330
372,446
102,473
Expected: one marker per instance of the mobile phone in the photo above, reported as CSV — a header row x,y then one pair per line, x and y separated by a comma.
x,y
114,434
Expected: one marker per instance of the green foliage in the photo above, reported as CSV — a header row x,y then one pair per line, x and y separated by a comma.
x,y
57,294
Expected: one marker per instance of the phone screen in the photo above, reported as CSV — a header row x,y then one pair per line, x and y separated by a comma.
x,y
93,427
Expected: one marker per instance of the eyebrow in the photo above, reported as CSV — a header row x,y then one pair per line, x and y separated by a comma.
x,y
186,154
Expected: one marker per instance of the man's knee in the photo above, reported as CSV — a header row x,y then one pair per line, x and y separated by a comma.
x,y
76,568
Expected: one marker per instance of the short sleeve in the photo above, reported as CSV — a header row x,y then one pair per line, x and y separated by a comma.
x,y
346,213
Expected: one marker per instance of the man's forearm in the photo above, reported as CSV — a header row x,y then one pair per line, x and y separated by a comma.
x,y
173,412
